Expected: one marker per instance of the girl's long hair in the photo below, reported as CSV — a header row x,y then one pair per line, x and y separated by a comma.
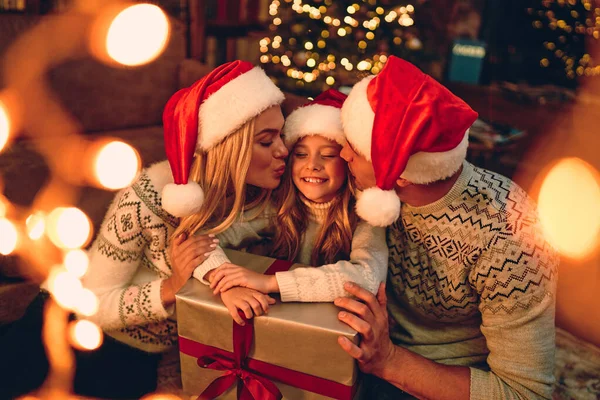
x,y
333,241
221,173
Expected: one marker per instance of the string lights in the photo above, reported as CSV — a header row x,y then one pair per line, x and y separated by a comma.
x,y
568,22
319,44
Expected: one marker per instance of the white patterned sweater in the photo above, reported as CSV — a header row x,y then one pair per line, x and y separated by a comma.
x,y
472,281
129,261
367,264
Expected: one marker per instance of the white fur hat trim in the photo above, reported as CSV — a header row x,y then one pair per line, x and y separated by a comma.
x,y
378,207
234,104
358,118
182,200
315,119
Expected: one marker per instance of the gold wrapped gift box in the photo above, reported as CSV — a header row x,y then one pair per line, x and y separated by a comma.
x,y
296,342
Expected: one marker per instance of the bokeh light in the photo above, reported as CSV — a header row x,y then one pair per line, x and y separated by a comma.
x,y
36,225
68,227
4,126
8,237
65,287
569,207
137,35
117,165
76,262
85,335
87,304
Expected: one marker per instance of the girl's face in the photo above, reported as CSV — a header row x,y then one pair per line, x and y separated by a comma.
x,y
268,150
318,171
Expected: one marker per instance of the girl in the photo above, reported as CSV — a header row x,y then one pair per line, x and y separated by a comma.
x,y
222,139
316,223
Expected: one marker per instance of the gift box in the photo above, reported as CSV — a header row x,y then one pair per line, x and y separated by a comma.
x,y
292,351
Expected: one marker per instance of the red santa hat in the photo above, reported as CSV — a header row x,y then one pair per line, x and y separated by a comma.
x,y
199,117
322,117
408,125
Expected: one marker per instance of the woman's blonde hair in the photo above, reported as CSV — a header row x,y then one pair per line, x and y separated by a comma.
x,y
333,242
221,172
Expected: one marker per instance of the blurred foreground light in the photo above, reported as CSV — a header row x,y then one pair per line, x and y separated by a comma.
x,y
137,35
76,262
117,165
65,287
87,304
569,207
68,227
160,396
85,335
8,237
36,225
4,126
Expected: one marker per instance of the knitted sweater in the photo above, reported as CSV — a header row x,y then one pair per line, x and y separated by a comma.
x,y
367,265
129,261
472,281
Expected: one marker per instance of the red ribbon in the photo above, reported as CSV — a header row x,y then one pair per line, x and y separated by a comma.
x,y
253,386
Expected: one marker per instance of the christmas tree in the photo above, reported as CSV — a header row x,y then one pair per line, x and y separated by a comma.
x,y
318,44
561,30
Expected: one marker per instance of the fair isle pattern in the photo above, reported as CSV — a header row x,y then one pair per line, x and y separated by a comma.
x,y
480,251
135,235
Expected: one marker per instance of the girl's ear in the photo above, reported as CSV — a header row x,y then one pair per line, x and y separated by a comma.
x,y
401,182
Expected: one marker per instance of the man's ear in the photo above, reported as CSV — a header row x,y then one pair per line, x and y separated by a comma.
x,y
401,182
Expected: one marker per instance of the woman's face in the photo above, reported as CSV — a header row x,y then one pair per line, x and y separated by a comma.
x,y
318,171
268,150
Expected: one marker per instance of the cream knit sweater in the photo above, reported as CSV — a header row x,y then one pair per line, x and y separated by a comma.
x,y
367,265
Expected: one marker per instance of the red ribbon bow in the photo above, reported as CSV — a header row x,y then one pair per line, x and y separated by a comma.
x,y
250,385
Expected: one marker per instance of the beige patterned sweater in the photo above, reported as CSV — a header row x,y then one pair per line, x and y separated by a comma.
x,y
472,282
367,265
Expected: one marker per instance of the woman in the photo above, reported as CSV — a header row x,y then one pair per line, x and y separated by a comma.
x,y
222,139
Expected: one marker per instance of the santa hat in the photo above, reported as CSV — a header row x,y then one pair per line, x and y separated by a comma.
x,y
322,117
408,125
199,117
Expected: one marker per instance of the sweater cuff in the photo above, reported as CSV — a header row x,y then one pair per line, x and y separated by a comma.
x,y
478,386
216,258
288,289
157,303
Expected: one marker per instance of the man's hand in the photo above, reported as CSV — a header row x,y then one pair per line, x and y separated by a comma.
x,y
228,276
368,316
249,301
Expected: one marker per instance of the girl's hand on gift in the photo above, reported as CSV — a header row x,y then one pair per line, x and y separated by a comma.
x,y
229,275
249,301
185,255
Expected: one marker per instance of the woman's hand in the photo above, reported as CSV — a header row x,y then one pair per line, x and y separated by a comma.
x,y
249,301
185,254
230,275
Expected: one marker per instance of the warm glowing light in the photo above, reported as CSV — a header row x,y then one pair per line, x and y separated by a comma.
x,y
309,77
341,32
8,237
87,304
370,35
76,262
277,21
308,46
350,10
137,35
86,335
330,80
65,287
117,165
160,396
363,65
311,62
68,228
4,125
36,225
569,207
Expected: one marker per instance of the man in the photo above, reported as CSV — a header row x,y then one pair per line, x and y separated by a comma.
x,y
471,281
